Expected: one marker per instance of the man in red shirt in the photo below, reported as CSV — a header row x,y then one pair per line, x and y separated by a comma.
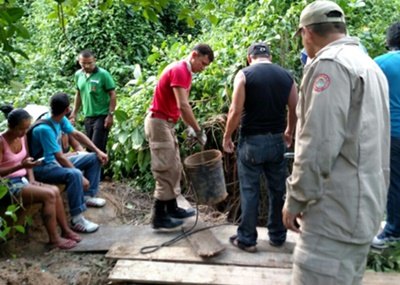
x,y
171,101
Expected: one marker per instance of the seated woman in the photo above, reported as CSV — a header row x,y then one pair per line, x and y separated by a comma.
x,y
16,165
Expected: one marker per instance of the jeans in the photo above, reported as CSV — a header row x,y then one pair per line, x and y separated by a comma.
x,y
96,132
392,227
259,154
54,173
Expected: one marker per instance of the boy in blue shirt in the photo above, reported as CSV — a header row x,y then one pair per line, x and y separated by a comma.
x,y
80,173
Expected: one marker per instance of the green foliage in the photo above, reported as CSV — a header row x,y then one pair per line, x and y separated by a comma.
x,y
135,40
11,213
385,260
11,29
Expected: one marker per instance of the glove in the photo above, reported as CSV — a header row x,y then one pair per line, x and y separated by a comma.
x,y
200,136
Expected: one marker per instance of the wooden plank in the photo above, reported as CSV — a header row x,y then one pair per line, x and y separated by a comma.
x,y
104,238
379,278
203,243
267,255
152,272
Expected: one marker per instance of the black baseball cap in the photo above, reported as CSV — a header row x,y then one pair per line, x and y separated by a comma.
x,y
259,49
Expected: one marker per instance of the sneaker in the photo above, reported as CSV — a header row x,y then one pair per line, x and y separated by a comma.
x,y
382,241
84,226
248,248
94,202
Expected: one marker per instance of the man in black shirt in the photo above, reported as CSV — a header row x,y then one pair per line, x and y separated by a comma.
x,y
262,91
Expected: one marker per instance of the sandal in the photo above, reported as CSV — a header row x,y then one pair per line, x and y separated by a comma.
x,y
64,244
234,240
72,236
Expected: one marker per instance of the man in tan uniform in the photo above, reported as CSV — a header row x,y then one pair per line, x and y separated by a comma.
x,y
340,174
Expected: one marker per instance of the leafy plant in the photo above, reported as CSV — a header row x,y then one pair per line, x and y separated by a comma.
x,y
385,260
11,213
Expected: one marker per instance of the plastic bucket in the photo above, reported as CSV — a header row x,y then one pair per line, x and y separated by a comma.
x,y
206,173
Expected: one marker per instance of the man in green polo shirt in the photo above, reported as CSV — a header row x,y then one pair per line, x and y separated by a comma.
x,y
95,92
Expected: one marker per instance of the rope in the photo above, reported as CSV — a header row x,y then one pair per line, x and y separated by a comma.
x,y
184,234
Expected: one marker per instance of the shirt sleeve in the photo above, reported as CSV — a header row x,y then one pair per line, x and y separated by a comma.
x,y
66,126
323,115
180,77
76,79
109,83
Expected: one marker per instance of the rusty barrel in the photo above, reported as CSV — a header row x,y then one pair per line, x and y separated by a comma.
x,y
205,171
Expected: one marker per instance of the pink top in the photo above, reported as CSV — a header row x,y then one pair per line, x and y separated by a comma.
x,y
11,159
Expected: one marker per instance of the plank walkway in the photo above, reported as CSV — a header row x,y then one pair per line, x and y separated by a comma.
x,y
181,264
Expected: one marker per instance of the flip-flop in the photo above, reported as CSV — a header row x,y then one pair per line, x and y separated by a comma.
x,y
234,240
74,237
65,244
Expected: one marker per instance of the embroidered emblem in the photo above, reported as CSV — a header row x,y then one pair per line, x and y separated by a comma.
x,y
321,83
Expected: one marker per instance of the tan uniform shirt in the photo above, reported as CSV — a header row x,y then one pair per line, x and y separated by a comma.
x,y
341,168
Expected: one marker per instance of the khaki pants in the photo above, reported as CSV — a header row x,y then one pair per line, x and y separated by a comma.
x,y
166,163
318,260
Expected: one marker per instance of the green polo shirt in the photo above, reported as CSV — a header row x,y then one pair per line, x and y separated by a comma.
x,y
94,91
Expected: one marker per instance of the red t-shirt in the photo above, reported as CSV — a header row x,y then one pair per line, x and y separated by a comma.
x,y
176,74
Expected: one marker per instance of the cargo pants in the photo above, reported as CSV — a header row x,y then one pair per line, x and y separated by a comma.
x,y
319,260
166,163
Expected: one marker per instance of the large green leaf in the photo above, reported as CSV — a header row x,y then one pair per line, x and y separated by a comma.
x,y
13,14
137,139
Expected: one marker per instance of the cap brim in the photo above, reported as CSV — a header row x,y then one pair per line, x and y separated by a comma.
x,y
297,33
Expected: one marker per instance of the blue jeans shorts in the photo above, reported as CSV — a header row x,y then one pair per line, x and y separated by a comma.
x,y
16,184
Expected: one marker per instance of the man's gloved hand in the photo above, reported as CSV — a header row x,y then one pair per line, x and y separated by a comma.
x,y
200,136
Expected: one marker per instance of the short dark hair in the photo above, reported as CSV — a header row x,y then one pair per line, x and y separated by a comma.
x,y
14,116
393,36
205,49
323,29
58,103
86,53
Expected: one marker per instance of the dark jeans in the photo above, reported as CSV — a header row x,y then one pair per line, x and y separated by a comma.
x,y
256,155
96,132
392,227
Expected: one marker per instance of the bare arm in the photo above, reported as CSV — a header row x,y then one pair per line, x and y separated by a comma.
x,y
291,115
76,146
83,139
235,111
63,160
113,103
77,106
182,100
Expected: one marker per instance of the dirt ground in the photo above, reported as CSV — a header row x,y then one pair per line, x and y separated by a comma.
x,y
28,260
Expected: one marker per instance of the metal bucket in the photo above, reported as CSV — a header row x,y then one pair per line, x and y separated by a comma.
x,y
206,173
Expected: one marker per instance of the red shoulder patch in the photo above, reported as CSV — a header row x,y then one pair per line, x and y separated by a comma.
x,y
321,83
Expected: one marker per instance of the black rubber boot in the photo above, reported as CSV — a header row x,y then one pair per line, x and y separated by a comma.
x,y
161,220
178,213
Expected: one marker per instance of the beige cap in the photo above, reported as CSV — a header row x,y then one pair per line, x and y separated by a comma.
x,y
317,12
